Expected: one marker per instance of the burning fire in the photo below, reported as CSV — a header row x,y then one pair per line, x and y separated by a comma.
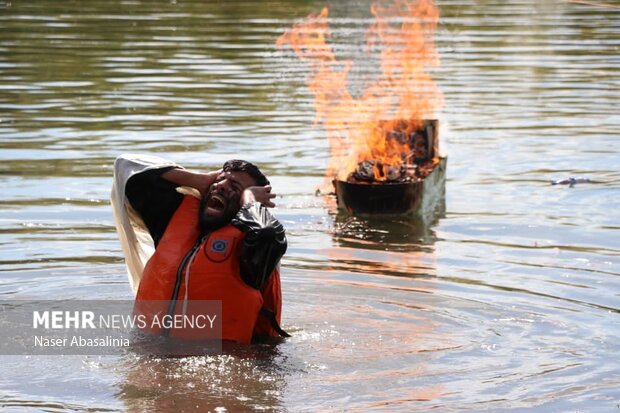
x,y
358,127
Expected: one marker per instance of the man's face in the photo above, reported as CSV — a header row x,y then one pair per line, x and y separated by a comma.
x,y
222,202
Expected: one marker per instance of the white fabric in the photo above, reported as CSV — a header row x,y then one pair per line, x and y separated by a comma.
x,y
135,239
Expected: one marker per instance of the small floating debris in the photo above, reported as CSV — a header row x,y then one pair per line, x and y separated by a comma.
x,y
572,181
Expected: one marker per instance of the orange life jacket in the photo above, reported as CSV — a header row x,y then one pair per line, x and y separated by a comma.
x,y
188,267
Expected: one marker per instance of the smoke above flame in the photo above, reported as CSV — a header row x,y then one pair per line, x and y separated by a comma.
x,y
403,36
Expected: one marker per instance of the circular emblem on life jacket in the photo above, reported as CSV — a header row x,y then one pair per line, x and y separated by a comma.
x,y
219,245
218,248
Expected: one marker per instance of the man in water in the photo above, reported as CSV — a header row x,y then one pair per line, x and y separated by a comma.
x,y
202,236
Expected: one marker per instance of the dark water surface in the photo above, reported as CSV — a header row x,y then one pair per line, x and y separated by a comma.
x,y
510,301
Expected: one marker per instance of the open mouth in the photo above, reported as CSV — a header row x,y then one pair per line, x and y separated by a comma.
x,y
216,202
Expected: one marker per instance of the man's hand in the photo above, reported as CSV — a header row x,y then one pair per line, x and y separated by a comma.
x,y
202,181
205,180
260,194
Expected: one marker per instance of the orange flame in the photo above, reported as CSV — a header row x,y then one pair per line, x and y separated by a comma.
x,y
356,127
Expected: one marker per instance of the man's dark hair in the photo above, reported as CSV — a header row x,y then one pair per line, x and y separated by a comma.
x,y
237,165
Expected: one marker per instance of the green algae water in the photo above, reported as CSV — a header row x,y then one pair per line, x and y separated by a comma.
x,y
508,301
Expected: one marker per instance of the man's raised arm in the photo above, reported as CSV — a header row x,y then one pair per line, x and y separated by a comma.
x,y
149,184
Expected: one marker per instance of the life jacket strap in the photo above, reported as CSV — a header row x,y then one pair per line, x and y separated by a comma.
x,y
271,316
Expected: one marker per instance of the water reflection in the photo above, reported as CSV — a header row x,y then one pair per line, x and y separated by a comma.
x,y
394,245
392,233
378,299
241,379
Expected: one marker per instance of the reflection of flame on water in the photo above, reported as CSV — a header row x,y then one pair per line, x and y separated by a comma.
x,y
403,35
386,303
